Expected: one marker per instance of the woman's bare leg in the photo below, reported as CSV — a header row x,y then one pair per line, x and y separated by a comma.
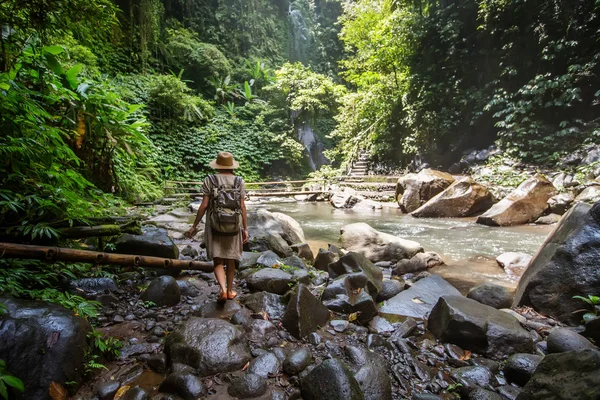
x,y
220,275
230,275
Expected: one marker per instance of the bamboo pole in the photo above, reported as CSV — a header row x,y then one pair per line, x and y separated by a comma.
x,y
52,254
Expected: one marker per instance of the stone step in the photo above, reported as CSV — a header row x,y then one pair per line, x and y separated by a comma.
x,y
361,164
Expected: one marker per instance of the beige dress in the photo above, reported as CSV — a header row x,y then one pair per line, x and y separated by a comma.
x,y
229,247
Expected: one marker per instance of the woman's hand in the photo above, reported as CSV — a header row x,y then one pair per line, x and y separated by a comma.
x,y
191,233
245,236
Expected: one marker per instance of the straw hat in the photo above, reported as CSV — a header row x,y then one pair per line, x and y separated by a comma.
x,y
224,161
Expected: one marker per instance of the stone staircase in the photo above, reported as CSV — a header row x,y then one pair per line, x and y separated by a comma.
x,y
360,167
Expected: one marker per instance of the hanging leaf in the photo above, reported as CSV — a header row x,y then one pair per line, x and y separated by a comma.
x,y
71,75
54,65
58,391
54,50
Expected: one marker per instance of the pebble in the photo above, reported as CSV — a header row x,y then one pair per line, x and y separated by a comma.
x,y
118,318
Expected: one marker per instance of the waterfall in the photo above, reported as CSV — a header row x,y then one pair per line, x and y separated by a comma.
x,y
311,142
300,35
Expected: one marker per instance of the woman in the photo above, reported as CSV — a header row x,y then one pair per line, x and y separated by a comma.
x,y
224,249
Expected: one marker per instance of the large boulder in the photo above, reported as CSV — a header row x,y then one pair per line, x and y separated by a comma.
x,y
491,295
419,262
152,242
370,370
270,304
420,299
590,194
344,199
377,246
42,343
208,345
273,231
561,340
361,303
304,313
463,198
565,266
162,291
332,380
477,327
360,269
272,280
574,375
414,190
525,204
520,367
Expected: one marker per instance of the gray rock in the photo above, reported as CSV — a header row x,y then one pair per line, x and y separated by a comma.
x,y
348,284
514,264
249,259
263,302
263,241
419,300
265,365
332,381
362,303
303,251
592,329
186,386
324,258
152,242
215,309
268,259
270,280
208,345
591,194
560,203
157,362
163,291
548,219
405,329
377,246
477,327
473,376
42,343
89,288
525,204
509,392
294,261
520,367
483,394
136,393
356,263
304,313
339,325
107,390
247,386
419,262
491,295
565,266
297,361
370,371
561,340
414,190
573,375
258,329
380,325
389,288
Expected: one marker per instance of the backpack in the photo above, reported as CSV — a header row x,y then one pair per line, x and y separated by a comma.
x,y
225,211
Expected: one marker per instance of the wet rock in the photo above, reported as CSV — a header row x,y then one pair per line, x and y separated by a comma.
x,y
380,325
303,251
483,394
208,345
304,313
548,219
294,261
591,194
389,288
136,393
375,341
362,303
377,246
247,386
405,329
339,325
163,291
249,259
348,284
331,380
525,204
189,251
314,338
477,327
218,310
42,343
186,386
419,262
426,396
509,392
561,340
242,317
592,329
473,376
560,203
414,190
258,329
107,390
565,266
297,361
419,300
270,280
268,259
158,362
463,198
265,365
324,258
514,264
573,375
90,288
353,263
186,288
152,242
370,371
263,302
491,295
520,367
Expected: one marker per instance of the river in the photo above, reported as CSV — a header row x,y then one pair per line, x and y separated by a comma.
x,y
469,249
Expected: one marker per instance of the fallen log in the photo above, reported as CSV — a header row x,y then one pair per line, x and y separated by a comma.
x,y
77,232
52,254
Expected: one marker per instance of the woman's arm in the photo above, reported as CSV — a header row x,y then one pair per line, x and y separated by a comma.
x,y
199,215
244,222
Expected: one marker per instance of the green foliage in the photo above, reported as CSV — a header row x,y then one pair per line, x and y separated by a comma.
x,y
8,379
108,346
594,304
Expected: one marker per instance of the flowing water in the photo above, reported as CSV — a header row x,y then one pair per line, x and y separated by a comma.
x,y
469,249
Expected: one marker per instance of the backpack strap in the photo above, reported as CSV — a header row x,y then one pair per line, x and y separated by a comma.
x,y
237,182
215,186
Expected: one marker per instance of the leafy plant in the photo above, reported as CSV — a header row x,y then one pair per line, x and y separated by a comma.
x,y
8,379
594,307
